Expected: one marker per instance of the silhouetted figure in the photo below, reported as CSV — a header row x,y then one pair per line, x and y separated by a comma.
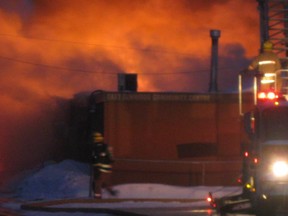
x,y
268,65
102,166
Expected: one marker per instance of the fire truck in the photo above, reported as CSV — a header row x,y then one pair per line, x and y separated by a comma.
x,y
265,130
265,156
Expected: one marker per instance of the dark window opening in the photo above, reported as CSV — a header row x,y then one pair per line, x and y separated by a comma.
x,y
196,150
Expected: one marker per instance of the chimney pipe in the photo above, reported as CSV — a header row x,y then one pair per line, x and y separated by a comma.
x,y
215,34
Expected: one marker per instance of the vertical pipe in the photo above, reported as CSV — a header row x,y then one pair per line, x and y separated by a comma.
x,y
255,89
215,34
240,94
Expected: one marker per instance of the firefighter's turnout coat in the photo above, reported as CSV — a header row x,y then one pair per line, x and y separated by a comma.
x,y
101,157
268,64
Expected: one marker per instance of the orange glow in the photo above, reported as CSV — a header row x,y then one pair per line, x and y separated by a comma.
x,y
58,48
130,36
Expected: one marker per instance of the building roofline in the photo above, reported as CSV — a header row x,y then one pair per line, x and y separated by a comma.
x,y
107,96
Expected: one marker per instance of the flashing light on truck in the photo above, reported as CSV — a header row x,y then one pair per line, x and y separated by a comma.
x,y
269,95
280,168
264,176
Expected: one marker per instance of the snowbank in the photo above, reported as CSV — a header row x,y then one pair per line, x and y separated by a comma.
x,y
70,179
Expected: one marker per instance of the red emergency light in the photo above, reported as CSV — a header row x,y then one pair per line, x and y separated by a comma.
x,y
239,180
268,95
211,200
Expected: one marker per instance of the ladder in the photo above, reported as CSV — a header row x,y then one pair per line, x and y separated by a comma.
x,y
278,26
274,27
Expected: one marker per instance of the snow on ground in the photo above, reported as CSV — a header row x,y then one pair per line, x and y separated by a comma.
x,y
70,179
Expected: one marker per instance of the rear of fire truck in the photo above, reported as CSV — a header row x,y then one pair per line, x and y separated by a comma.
x,y
265,156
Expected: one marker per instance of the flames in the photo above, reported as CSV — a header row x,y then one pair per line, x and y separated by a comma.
x,y
58,48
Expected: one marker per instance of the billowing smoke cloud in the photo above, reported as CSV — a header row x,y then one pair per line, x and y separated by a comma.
x,y
87,44
58,48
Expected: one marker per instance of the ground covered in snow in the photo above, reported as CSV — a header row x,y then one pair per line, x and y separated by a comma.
x,y
70,180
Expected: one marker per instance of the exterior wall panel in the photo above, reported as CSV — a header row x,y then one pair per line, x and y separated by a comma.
x,y
148,131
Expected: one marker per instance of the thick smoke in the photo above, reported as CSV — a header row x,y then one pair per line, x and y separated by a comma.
x,y
54,49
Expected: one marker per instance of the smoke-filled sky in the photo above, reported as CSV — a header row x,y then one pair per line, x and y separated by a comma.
x,y
61,47
58,48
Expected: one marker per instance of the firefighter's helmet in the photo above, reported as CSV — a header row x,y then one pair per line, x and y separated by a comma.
x,y
98,137
267,45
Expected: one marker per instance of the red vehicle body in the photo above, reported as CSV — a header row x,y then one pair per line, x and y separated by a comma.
x,y
265,158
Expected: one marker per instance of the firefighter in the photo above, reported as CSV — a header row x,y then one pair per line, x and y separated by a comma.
x,y
267,64
102,166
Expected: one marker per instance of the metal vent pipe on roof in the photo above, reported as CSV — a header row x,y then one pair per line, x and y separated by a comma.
x,y
215,34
